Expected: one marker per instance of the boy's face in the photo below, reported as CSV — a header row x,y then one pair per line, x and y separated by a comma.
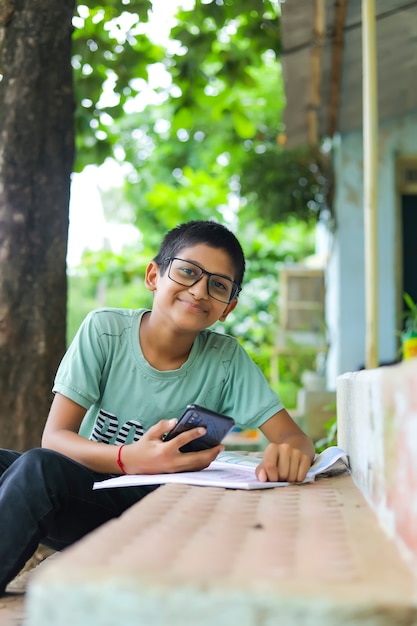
x,y
192,307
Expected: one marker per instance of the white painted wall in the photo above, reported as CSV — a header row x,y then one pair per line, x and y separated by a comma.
x,y
377,426
345,297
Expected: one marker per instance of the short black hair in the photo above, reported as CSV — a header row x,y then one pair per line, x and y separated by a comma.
x,y
208,232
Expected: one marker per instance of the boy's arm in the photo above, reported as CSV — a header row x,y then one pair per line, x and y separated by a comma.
x,y
289,454
61,434
149,455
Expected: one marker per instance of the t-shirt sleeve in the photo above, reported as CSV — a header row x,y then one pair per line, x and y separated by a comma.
x,y
247,394
79,373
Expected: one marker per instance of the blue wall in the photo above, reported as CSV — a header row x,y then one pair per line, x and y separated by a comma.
x,y
346,271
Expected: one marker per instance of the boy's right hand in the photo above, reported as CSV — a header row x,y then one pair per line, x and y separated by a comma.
x,y
152,455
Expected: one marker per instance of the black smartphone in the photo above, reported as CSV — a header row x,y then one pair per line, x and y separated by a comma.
x,y
217,426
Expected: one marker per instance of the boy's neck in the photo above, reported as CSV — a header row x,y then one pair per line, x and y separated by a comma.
x,y
162,349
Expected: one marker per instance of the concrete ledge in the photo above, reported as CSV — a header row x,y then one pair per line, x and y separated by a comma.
x,y
300,555
377,426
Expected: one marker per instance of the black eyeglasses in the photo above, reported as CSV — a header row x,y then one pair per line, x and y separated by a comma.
x,y
188,274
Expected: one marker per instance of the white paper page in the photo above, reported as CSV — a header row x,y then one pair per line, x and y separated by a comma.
x,y
209,477
230,470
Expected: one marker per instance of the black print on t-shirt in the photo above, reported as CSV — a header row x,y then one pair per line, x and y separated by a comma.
x,y
107,426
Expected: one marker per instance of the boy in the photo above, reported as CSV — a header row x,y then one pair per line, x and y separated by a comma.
x,y
124,381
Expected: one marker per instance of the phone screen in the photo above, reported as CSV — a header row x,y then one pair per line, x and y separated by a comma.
x,y
217,426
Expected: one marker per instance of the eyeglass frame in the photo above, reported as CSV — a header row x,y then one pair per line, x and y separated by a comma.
x,y
236,289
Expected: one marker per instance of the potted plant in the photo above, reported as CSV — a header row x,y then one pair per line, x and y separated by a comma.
x,y
409,334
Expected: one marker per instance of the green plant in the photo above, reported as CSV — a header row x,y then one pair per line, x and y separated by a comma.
x,y
409,332
410,316
330,438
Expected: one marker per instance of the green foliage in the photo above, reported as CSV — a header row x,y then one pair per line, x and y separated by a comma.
x,y
87,293
222,43
410,316
287,390
330,438
109,52
283,184
82,299
194,196
220,117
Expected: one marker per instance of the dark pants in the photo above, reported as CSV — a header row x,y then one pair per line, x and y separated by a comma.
x,y
47,498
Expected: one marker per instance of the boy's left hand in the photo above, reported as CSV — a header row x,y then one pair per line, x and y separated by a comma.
x,y
283,462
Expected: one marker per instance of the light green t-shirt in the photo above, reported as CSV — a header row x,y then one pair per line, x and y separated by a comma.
x,y
105,371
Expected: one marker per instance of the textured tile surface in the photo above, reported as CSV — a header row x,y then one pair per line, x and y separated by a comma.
x,y
305,555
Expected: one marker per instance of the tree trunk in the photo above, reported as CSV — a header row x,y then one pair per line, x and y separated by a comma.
x,y
36,157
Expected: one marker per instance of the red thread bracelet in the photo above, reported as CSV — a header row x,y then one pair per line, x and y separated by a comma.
x,y
119,460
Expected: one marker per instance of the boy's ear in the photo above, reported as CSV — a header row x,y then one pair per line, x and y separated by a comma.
x,y
151,276
232,305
